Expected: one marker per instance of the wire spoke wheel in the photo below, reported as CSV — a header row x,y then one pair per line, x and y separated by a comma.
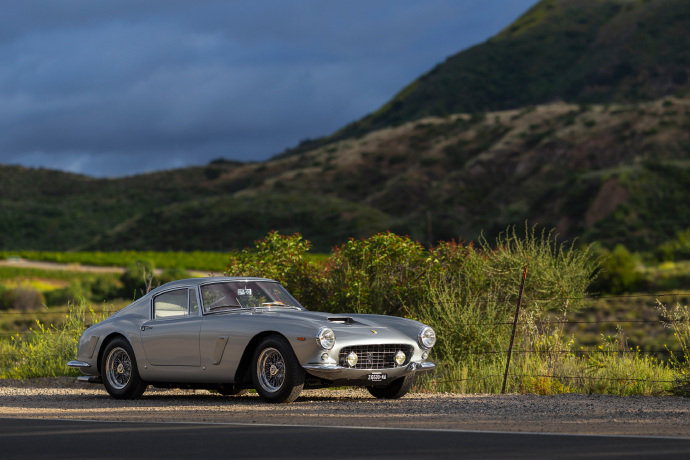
x,y
118,368
276,374
271,369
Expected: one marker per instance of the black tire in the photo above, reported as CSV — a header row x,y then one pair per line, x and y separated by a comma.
x,y
231,390
397,388
119,370
276,374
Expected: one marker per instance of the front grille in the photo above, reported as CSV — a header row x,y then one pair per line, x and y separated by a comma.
x,y
375,356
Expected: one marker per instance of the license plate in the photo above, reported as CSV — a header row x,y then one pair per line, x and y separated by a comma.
x,y
377,377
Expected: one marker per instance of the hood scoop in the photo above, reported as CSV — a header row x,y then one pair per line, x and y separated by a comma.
x,y
342,320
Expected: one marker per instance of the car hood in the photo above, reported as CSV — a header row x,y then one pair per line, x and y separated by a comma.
x,y
328,319
353,325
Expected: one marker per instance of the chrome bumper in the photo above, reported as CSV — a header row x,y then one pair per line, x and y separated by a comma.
x,y
337,372
78,364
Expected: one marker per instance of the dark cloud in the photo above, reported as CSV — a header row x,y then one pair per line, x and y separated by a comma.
x,y
113,88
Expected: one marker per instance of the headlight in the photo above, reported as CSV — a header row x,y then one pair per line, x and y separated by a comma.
x,y
325,338
427,337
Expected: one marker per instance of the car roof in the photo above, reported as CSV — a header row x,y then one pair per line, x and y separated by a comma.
x,y
192,282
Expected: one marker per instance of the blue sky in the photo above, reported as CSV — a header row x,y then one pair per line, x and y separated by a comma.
x,y
111,88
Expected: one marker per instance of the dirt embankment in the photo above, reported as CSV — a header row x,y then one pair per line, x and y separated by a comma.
x,y
572,413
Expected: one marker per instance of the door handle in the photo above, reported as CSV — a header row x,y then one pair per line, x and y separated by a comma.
x,y
143,328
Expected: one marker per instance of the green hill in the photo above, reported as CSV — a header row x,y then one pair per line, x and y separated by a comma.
x,y
582,51
616,173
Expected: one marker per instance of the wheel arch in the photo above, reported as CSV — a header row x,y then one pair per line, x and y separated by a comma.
x,y
243,373
109,338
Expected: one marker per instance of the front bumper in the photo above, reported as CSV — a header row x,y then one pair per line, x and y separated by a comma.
x,y
335,372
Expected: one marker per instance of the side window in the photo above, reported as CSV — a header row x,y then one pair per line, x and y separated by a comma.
x,y
170,304
193,303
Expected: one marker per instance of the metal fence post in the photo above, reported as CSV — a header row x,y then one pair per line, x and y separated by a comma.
x,y
512,335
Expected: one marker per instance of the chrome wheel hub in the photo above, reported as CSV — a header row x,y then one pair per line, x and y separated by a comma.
x,y
270,369
118,368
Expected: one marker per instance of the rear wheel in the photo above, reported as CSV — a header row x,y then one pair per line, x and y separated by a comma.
x,y
276,374
119,371
397,389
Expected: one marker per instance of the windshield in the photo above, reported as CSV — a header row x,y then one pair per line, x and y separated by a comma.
x,y
245,294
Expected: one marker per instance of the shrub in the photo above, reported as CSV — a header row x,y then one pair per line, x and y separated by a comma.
x,y
380,274
93,288
61,296
677,318
284,259
619,271
21,298
45,350
5,298
102,288
171,274
677,248
137,279
472,292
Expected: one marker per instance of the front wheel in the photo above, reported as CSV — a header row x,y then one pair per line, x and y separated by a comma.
x,y
397,389
119,371
277,376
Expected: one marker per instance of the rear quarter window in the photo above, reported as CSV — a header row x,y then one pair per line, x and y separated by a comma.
x,y
171,304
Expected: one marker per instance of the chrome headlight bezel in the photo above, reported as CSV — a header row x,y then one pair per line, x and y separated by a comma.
x,y
426,338
326,338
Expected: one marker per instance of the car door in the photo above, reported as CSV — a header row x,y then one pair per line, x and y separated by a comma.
x,y
171,337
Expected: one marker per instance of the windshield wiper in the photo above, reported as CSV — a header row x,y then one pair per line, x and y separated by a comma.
x,y
222,307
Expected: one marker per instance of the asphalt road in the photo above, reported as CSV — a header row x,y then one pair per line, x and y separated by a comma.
x,y
55,439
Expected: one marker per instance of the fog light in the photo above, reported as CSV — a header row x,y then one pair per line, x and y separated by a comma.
x,y
324,356
352,359
425,355
400,358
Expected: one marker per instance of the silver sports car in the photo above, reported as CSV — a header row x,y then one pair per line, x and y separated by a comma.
x,y
232,334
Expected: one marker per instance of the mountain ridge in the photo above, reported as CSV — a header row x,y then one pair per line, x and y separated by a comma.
x,y
616,173
579,51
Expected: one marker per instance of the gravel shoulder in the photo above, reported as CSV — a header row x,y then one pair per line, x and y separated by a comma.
x,y
64,398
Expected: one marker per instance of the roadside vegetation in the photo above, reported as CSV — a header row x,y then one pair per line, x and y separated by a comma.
x,y
466,292
44,349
